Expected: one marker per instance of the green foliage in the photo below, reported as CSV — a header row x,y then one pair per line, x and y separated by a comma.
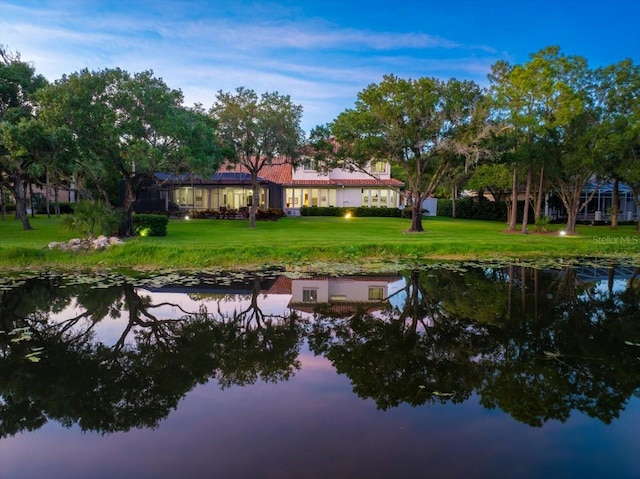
x,y
420,126
359,212
471,208
272,214
65,207
474,209
542,224
91,219
257,130
408,213
150,225
129,126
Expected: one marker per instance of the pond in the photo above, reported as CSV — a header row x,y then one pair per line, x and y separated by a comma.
x,y
458,370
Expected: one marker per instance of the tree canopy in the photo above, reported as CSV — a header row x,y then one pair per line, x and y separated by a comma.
x,y
257,131
416,125
130,126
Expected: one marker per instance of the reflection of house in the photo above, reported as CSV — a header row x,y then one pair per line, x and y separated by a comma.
x,y
340,296
281,186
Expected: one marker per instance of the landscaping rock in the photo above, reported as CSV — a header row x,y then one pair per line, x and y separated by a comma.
x,y
77,244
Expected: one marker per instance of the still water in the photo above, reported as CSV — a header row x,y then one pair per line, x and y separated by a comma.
x,y
457,371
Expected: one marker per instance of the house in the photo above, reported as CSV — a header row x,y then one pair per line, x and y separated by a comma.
x,y
281,186
600,206
340,296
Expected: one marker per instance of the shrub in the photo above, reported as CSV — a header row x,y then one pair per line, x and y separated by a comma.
x,y
542,224
360,211
321,211
150,225
408,213
92,218
272,214
483,209
204,214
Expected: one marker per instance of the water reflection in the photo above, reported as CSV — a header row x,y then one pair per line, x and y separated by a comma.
x,y
120,353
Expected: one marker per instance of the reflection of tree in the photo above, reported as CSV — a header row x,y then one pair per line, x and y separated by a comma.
x,y
139,379
560,346
253,345
414,354
538,344
573,357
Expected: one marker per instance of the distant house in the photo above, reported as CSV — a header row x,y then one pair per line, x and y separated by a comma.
x,y
600,206
597,210
282,186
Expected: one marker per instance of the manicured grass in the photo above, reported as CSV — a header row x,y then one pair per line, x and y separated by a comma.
x,y
305,241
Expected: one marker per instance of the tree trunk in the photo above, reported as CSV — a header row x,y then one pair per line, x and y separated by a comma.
x,y
573,209
453,201
127,206
3,203
527,193
513,220
21,206
416,213
255,191
615,207
33,210
538,209
56,199
636,199
46,195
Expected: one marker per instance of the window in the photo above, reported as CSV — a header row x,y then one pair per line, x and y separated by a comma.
x,y
378,166
309,295
376,293
308,164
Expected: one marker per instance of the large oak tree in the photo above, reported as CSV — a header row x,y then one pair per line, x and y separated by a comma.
x,y
131,126
419,126
258,131
19,142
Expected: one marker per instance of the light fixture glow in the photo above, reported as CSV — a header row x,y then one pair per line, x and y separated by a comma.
x,y
562,232
186,217
347,215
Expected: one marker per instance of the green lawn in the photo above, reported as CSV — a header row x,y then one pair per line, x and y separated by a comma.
x,y
305,241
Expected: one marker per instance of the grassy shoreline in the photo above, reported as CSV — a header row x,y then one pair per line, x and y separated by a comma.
x,y
312,242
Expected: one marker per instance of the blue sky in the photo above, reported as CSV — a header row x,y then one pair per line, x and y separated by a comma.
x,y
321,53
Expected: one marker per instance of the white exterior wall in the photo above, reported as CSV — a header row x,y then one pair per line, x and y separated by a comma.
x,y
321,285
338,174
339,290
347,197
431,205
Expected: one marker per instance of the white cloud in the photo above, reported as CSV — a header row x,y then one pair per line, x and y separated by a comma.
x,y
319,64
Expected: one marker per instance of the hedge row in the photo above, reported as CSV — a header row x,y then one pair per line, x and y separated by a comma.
x,y
271,214
361,211
472,208
150,225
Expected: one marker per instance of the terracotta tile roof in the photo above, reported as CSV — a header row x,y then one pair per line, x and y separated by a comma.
x,y
341,310
282,285
277,173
